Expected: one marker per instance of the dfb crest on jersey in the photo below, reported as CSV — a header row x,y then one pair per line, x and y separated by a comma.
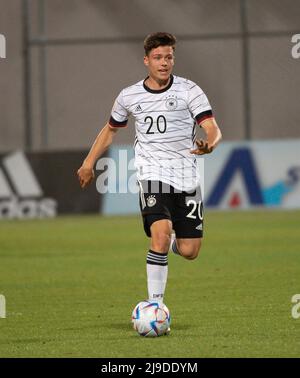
x,y
151,201
171,102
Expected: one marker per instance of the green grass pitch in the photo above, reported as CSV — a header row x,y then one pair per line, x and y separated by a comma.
x,y
71,283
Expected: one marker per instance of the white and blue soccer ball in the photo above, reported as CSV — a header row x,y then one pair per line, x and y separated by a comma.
x,y
151,319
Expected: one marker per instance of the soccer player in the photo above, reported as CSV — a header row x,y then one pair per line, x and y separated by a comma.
x,y
166,109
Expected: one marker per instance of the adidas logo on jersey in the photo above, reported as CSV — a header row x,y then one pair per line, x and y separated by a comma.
x,y
20,193
138,109
200,227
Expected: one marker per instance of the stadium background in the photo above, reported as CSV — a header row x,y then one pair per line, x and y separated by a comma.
x,y
66,61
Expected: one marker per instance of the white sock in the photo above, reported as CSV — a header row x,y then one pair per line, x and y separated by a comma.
x,y
173,245
157,274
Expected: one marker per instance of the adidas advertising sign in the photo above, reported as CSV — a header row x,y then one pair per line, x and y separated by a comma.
x,y
43,185
21,195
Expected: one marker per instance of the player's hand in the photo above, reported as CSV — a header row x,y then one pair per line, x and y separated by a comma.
x,y
203,148
85,176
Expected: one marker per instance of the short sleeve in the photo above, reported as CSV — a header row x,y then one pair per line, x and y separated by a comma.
x,y
119,113
198,104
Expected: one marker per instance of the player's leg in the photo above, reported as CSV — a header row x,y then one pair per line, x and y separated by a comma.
x,y
161,235
189,248
157,259
187,216
158,227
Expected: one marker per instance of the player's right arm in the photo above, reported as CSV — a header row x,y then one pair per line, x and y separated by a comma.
x,y
104,139
118,119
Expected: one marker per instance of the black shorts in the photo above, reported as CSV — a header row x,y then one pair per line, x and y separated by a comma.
x,y
184,209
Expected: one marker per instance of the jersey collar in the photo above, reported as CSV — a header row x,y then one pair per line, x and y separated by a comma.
x,y
158,90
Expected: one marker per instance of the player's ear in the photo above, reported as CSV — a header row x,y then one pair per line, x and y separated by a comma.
x,y
146,60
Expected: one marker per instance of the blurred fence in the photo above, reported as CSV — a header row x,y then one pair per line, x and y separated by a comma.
x,y
67,61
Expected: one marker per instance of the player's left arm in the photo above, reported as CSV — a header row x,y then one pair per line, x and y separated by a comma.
x,y
213,137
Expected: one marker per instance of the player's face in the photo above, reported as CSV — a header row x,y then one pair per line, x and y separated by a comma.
x,y
160,62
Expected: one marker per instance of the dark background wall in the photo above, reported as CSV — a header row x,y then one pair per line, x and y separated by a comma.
x,y
81,53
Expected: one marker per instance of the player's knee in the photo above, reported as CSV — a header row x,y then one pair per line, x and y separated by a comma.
x,y
160,241
191,254
190,251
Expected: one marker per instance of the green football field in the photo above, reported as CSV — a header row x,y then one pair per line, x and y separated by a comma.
x,y
71,283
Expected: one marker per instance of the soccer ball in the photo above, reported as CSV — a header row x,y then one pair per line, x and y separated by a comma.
x,y
151,319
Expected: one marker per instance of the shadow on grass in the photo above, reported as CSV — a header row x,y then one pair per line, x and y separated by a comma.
x,y
86,327
29,340
119,326
128,326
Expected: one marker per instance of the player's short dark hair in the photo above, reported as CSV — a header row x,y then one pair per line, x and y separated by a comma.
x,y
159,39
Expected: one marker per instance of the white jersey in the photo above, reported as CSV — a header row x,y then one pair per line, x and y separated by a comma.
x,y
165,122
